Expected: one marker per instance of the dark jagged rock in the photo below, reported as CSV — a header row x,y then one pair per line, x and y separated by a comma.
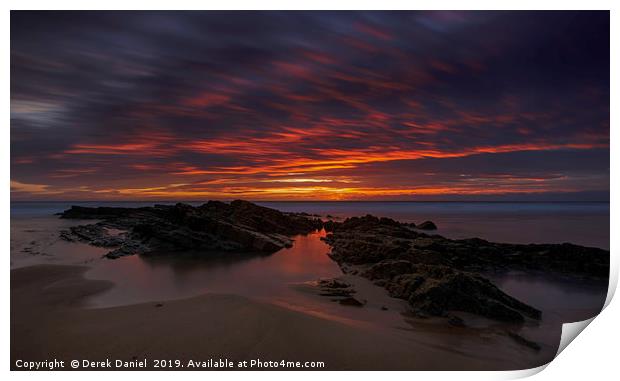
x,y
435,290
369,240
95,234
335,288
329,225
333,283
437,275
83,212
388,269
427,225
456,321
262,219
351,301
128,247
240,227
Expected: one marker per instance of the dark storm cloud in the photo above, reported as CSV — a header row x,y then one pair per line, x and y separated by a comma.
x,y
308,104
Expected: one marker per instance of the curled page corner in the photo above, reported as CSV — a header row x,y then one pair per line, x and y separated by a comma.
x,y
518,374
570,331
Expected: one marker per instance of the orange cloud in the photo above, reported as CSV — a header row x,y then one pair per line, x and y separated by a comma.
x,y
206,99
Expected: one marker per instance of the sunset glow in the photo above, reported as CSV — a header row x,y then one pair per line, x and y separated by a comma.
x,y
309,106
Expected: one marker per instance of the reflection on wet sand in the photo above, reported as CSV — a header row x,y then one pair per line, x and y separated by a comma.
x,y
140,278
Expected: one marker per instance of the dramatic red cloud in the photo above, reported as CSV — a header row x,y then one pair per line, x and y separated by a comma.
x,y
207,99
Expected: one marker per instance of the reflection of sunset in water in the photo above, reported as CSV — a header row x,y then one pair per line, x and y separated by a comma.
x,y
281,278
158,278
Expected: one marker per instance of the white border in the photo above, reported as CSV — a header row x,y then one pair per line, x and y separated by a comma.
x,y
316,5
593,355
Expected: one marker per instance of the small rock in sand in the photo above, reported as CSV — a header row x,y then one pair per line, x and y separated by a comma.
x,y
350,301
456,321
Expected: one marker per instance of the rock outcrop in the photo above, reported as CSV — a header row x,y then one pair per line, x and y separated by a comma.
x,y
427,225
437,290
440,276
214,227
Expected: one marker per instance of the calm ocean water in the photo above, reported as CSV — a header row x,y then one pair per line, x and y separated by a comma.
x,y
584,223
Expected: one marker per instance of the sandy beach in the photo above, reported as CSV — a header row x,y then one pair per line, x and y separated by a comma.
x,y
48,322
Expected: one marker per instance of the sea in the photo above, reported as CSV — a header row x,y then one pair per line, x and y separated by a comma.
x,y
582,223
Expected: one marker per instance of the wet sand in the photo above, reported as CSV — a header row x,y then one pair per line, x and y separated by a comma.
x,y
49,321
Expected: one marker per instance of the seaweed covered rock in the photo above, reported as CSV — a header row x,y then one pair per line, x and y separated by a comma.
x,y
435,290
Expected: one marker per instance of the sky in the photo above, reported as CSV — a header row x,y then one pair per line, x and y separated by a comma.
x,y
310,105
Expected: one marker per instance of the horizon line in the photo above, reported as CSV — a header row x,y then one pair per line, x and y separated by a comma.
x,y
334,201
